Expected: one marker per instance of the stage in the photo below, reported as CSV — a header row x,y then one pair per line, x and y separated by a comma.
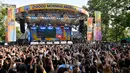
x,y
50,21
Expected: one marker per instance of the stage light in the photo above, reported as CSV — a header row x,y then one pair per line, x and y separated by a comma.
x,y
35,17
50,27
42,17
33,27
57,27
66,27
38,17
52,18
29,17
42,27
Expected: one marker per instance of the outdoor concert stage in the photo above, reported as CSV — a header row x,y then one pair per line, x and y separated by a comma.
x,y
51,22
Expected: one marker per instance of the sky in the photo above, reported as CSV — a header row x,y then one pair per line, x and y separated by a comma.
x,y
20,3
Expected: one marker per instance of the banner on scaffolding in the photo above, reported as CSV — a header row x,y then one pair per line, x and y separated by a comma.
x,y
97,33
89,29
97,26
97,16
10,26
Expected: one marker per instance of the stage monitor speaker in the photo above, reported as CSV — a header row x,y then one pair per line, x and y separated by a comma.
x,y
22,25
81,25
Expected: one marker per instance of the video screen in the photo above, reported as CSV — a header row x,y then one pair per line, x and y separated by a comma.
x,y
51,32
41,32
46,32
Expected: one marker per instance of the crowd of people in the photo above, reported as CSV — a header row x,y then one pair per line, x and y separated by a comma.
x,y
75,58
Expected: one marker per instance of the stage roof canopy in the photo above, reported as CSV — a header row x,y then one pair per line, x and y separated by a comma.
x,y
52,13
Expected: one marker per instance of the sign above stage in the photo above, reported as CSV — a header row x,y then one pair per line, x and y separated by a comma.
x,y
51,6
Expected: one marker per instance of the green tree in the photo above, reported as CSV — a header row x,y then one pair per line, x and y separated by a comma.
x,y
114,14
18,33
3,13
83,30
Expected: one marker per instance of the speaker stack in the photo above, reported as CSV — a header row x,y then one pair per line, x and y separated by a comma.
x,y
81,25
22,22
22,25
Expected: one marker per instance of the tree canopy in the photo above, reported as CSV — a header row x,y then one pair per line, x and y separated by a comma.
x,y
3,13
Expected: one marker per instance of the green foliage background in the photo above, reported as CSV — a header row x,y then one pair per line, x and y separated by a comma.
x,y
3,13
115,17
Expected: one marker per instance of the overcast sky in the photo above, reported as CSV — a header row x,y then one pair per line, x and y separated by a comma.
x,y
27,2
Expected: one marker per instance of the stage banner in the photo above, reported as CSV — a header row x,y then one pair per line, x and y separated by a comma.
x,y
89,36
97,33
97,16
89,29
97,26
10,26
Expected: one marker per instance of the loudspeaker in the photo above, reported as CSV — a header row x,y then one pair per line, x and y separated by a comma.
x,y
22,25
81,25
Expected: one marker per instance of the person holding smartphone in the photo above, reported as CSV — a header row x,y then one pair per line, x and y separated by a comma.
x,y
1,65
